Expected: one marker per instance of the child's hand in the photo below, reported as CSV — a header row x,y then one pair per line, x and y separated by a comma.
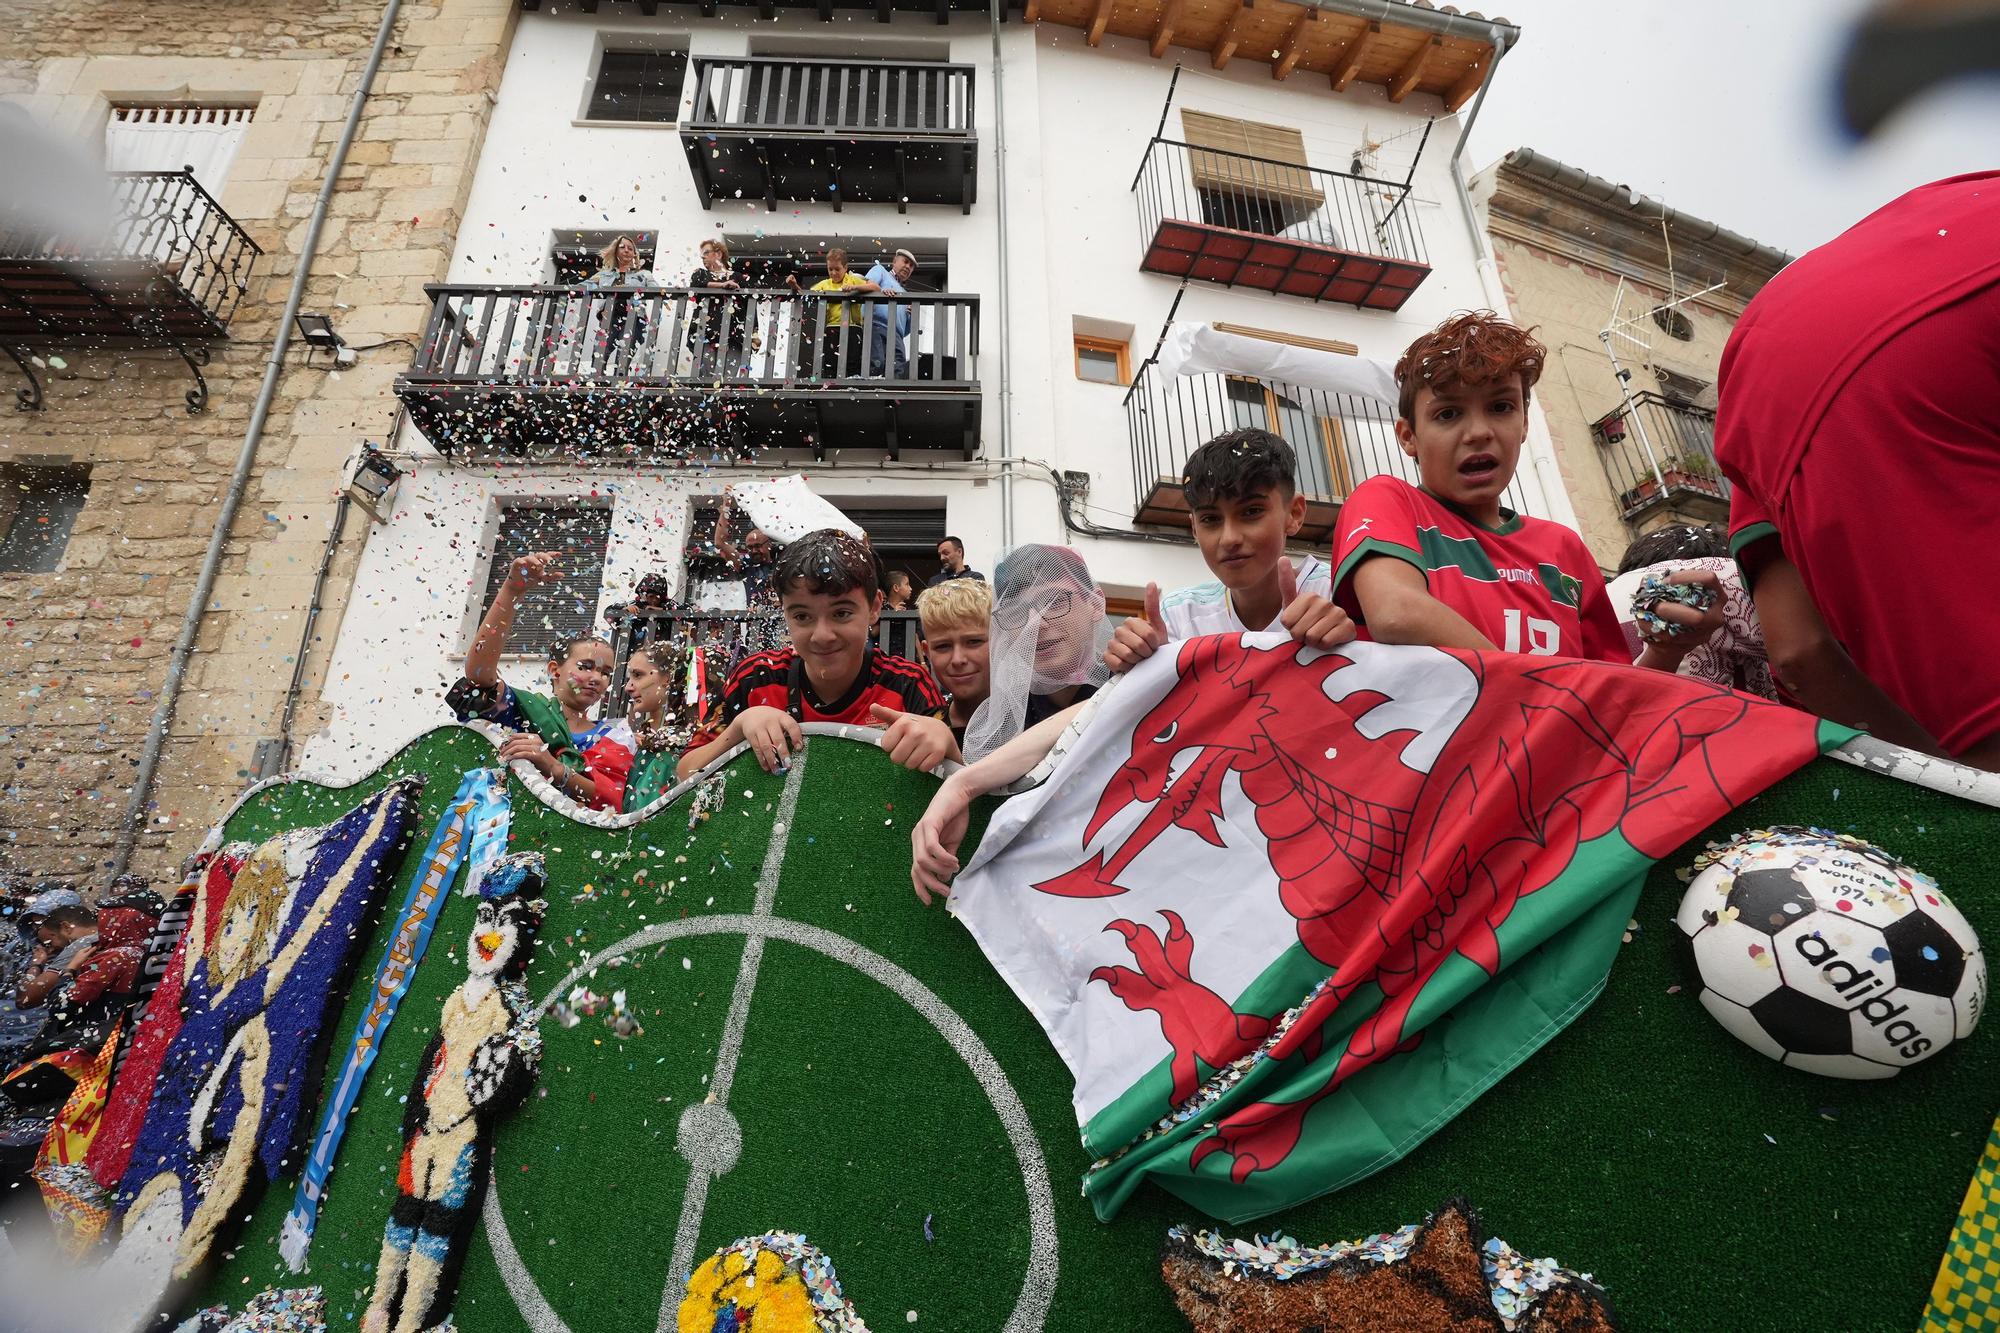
x,y
934,841
536,567
523,746
1136,639
916,742
772,735
1692,627
1311,619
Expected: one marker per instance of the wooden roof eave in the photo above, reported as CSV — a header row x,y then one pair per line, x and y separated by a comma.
x,y
1292,38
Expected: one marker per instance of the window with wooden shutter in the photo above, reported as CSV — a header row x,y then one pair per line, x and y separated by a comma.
x,y
1254,160
565,606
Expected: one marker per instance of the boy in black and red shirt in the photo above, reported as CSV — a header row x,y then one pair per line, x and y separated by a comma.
x,y
1444,563
829,672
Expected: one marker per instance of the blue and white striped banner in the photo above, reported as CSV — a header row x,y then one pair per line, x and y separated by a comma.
x,y
478,814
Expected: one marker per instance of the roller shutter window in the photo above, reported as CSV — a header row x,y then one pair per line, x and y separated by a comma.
x,y
899,530
566,606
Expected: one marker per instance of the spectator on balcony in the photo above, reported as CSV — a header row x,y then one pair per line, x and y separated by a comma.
x,y
951,564
621,271
840,339
620,267
719,327
555,729
896,592
752,563
1857,427
889,282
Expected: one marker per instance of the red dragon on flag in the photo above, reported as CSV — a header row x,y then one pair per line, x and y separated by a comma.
x,y
1429,818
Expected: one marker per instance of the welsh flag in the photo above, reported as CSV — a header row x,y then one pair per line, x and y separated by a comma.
x,y
1285,912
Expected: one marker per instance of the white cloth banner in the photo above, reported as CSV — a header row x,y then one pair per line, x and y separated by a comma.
x,y
1199,349
176,138
787,509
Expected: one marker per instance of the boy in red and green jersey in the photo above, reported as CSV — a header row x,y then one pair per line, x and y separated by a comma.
x,y
1526,584
1446,564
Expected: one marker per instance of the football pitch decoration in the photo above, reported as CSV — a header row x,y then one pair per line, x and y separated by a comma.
x,y
771,1035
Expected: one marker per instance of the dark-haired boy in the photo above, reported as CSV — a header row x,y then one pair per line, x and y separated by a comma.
x,y
829,672
1244,505
1445,563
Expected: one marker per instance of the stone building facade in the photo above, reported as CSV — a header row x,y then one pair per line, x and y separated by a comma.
x,y
87,642
1635,456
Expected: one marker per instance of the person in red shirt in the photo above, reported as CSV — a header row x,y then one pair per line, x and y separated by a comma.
x,y
1857,429
829,672
1445,564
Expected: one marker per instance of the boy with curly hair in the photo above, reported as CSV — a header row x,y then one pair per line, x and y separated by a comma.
x,y
1445,563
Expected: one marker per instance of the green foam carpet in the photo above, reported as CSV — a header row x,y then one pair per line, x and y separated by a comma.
x,y
1705,1186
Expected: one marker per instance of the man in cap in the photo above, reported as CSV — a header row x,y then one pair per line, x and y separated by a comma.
x,y
890,279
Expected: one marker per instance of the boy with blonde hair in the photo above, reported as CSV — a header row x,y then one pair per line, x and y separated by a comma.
x,y
954,617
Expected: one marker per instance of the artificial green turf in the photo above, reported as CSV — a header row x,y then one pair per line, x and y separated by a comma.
x,y
1704,1185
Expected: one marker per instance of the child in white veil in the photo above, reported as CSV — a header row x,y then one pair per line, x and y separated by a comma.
x,y
1047,643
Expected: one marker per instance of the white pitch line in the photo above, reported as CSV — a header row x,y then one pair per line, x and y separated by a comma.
x,y
1038,1284
701,1168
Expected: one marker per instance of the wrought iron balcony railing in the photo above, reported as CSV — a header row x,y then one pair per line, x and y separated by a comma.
x,y
675,372
1661,452
1279,227
1340,440
170,270
842,131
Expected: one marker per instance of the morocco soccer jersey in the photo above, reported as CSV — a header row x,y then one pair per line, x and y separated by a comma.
x,y
1528,585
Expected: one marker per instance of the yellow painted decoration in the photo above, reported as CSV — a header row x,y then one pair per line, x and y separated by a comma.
x,y
764,1297
1966,1296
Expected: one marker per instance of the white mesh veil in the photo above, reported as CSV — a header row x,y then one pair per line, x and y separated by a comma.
x,y
1048,632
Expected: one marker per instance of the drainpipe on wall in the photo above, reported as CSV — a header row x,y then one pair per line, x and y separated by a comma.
x,y
246,461
1483,253
1548,476
1006,292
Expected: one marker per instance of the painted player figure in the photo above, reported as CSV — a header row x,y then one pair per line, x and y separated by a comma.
x,y
481,1062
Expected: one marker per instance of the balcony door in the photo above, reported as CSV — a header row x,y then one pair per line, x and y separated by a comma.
x,y
1317,439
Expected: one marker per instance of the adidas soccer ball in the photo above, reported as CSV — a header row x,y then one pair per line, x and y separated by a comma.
x,y
1828,954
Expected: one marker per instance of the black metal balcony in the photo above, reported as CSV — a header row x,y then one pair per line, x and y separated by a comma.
x,y
1340,441
1662,454
1278,227
838,131
169,271
671,373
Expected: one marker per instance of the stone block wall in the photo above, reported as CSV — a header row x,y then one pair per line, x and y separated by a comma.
x,y
1568,300
84,650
